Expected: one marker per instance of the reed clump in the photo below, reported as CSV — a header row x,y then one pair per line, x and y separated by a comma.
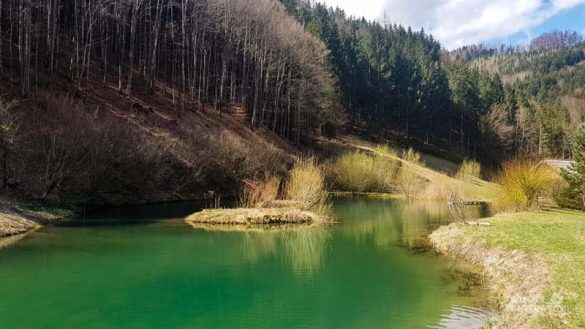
x,y
306,185
362,172
523,182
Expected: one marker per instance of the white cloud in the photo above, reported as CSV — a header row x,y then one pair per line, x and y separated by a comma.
x,y
460,22
564,4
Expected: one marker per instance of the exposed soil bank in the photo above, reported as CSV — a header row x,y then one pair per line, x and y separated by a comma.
x,y
533,263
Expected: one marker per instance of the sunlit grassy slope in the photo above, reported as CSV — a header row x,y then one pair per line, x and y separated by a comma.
x,y
438,184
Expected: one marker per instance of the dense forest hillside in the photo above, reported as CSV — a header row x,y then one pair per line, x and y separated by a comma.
x,y
394,83
98,95
208,51
492,102
198,95
545,100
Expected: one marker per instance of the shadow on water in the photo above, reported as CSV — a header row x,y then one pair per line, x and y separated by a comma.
x,y
142,214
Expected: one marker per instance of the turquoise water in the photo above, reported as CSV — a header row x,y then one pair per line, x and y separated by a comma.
x,y
144,268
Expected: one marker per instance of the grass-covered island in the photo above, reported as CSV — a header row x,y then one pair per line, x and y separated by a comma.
x,y
254,216
303,200
534,262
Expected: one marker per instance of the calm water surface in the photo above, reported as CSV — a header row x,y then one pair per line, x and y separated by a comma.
x,y
144,268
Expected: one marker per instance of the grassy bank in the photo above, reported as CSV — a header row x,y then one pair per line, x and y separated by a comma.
x,y
535,262
17,218
12,223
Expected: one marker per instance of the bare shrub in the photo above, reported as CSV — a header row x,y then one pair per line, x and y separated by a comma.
x,y
227,159
498,130
353,172
257,194
9,129
66,152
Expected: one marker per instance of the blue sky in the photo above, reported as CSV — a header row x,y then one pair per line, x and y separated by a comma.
x,y
573,19
461,22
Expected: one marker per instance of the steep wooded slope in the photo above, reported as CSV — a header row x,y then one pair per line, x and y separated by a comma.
x,y
150,100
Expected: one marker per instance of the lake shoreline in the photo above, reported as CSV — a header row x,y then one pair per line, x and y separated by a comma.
x,y
502,271
17,219
529,278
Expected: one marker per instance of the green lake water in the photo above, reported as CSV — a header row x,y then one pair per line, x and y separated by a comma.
x,y
143,268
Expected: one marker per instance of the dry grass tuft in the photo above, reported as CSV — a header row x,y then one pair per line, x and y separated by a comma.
x,y
411,156
306,185
386,150
469,170
410,182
